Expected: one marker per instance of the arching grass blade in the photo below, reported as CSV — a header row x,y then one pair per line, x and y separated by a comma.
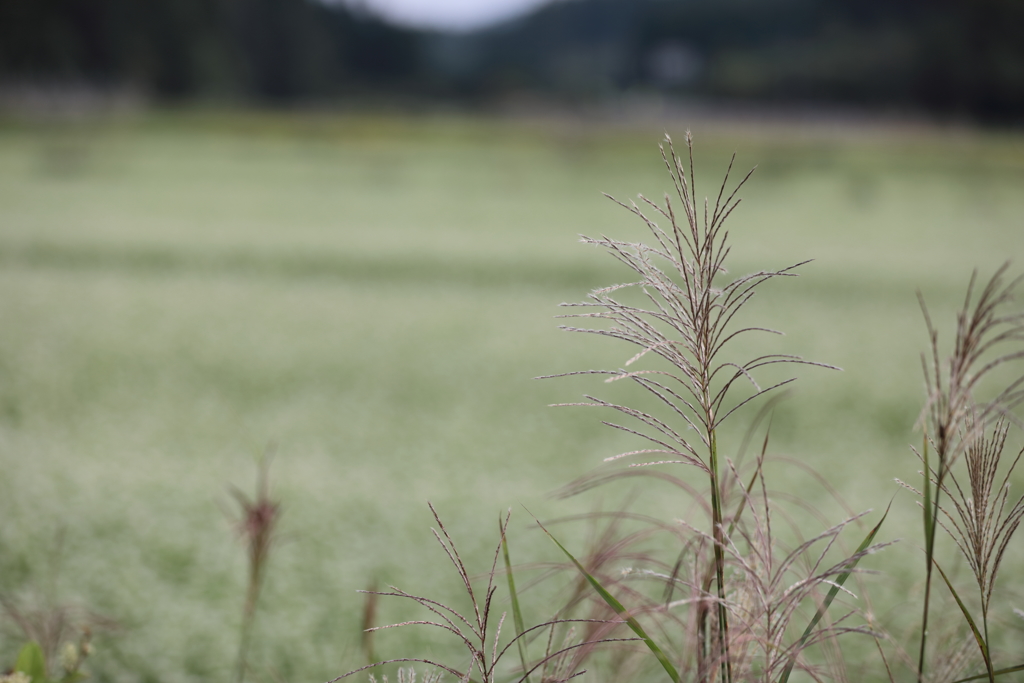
x,y
833,592
982,645
620,610
997,672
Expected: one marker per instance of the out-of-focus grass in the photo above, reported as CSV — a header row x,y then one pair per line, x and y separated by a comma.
x,y
373,296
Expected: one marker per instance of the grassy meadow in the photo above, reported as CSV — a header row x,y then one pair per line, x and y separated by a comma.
x,y
370,298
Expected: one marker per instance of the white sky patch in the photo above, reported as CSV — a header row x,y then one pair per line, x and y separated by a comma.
x,y
451,15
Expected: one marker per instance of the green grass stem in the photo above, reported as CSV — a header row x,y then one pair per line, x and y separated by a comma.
x,y
931,509
517,613
718,524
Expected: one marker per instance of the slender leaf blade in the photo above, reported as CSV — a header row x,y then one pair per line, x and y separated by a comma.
x,y
982,645
620,610
517,614
997,672
833,592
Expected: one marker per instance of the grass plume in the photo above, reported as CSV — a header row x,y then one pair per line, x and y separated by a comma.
x,y
955,424
983,518
687,319
256,527
687,325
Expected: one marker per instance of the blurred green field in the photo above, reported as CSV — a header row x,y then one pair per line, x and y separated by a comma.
x,y
370,298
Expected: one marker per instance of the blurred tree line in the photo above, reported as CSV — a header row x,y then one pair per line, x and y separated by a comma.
x,y
278,50
963,57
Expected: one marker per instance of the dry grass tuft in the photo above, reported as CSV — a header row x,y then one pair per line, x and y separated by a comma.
x,y
480,630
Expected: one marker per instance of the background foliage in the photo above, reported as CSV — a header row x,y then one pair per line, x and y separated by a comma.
x,y
953,58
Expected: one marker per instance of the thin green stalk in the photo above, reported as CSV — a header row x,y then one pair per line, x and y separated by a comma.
x,y
718,535
517,614
931,511
243,649
252,597
931,524
984,623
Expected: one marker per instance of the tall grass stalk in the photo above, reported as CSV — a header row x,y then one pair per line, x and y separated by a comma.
x,y
688,322
955,425
683,315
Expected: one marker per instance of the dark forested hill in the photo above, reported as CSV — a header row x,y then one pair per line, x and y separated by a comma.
x,y
964,57
959,56
265,49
